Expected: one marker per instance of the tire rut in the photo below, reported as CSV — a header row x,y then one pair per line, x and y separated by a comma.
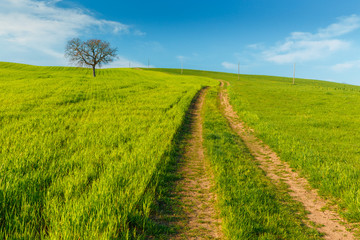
x,y
202,221
191,211
327,221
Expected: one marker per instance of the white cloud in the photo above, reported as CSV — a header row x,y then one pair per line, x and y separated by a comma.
x,y
345,25
230,66
256,46
293,51
181,58
340,67
139,33
304,46
122,62
42,26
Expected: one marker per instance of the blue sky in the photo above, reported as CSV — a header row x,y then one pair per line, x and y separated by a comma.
x,y
266,37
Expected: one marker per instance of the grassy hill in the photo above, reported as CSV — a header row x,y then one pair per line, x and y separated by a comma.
x,y
314,125
82,157
78,153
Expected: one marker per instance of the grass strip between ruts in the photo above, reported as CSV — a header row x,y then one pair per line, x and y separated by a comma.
x,y
250,205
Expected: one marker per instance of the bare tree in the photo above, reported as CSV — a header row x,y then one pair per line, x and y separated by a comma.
x,y
93,53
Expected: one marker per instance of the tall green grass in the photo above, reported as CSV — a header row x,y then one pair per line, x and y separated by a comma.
x,y
78,153
251,207
313,125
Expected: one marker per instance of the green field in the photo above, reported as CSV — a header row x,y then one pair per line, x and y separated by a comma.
x,y
78,153
313,125
82,157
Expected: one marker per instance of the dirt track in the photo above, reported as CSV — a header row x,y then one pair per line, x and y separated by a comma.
x,y
329,222
195,187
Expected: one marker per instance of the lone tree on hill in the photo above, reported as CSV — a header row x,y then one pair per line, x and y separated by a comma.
x,y
90,53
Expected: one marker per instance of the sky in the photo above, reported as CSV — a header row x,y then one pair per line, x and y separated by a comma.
x,y
266,37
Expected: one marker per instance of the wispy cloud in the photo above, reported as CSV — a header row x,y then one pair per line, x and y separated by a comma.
x,y
191,57
44,27
122,62
139,33
256,46
343,26
229,66
340,67
181,58
305,46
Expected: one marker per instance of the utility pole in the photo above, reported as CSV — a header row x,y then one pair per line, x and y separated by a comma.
x,y
294,75
238,70
181,66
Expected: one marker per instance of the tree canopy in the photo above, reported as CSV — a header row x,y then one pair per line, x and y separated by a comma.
x,y
93,52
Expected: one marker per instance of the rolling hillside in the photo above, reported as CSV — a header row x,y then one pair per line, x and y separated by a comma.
x,y
100,158
314,125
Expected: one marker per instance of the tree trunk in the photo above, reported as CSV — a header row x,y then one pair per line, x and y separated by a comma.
x,y
94,74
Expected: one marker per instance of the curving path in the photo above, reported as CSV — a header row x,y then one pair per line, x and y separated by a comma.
x,y
327,221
